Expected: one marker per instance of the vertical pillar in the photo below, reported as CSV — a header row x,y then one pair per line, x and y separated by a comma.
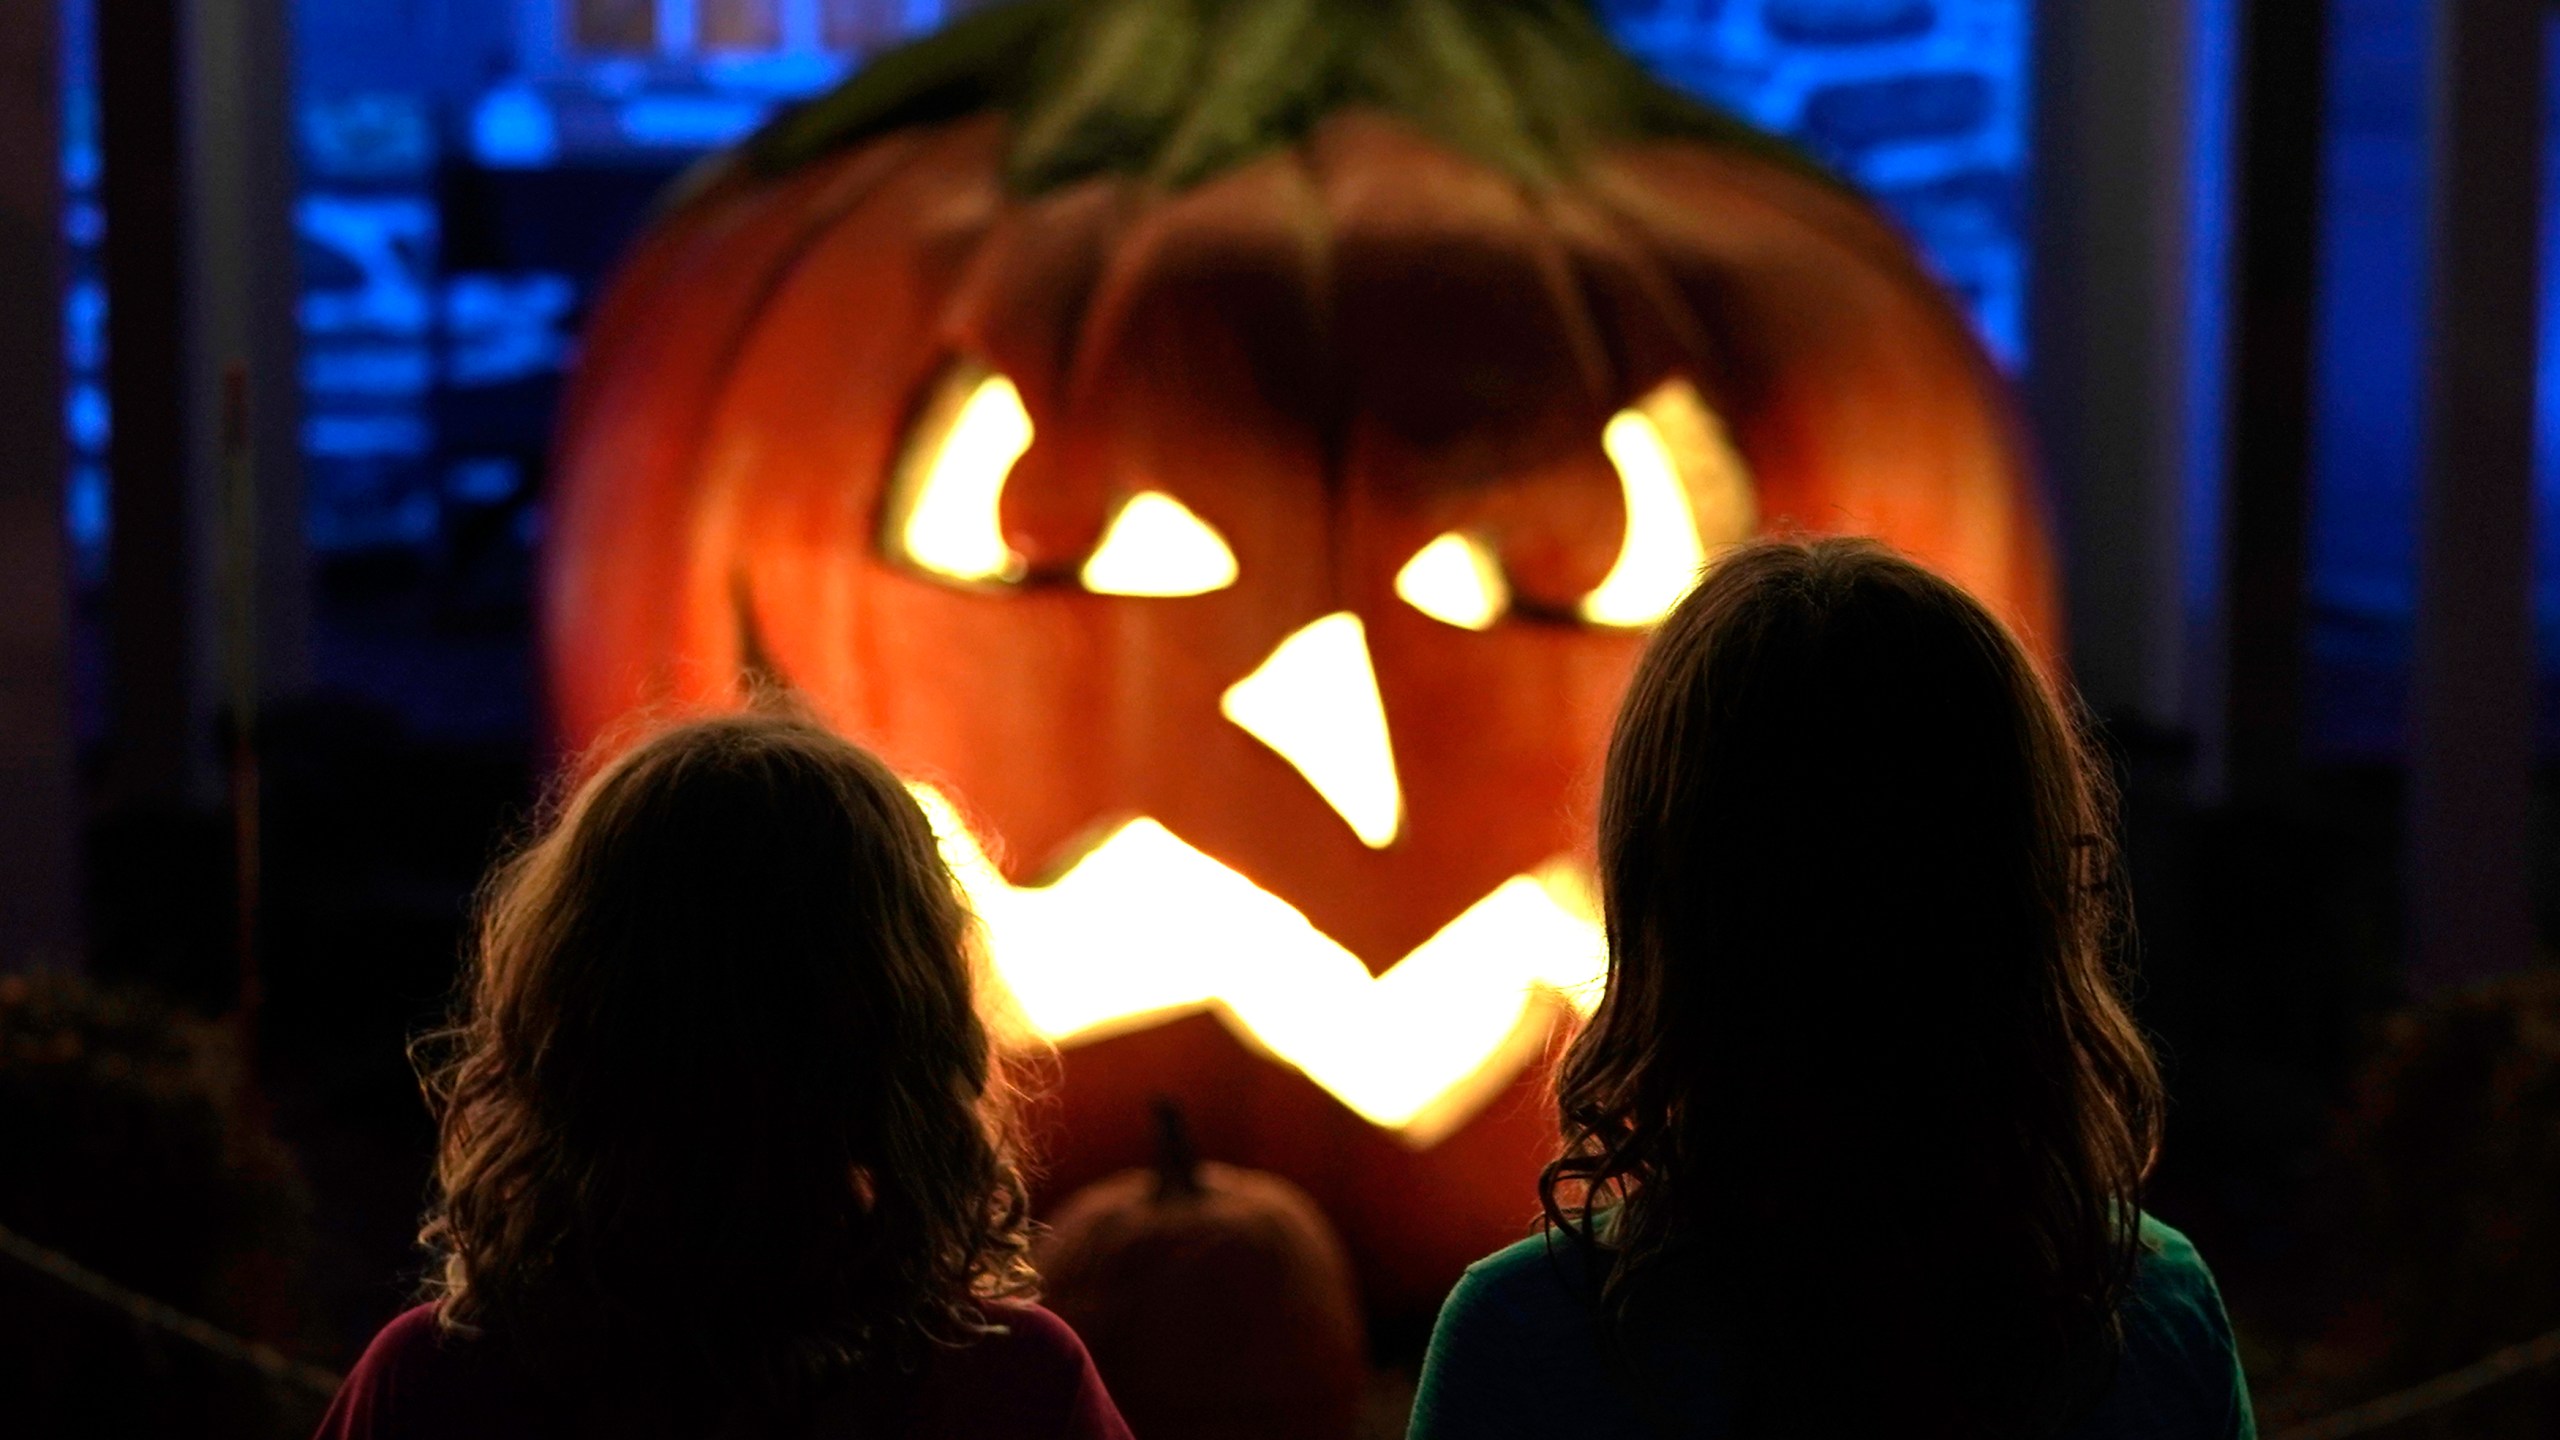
x,y
2471,725
152,709
243,312
2109,343
195,119
2283,65
39,820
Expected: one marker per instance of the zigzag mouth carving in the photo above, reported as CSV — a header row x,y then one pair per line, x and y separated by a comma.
x,y
1145,927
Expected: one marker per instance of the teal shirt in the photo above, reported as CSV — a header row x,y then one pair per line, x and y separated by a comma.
x,y
1516,1353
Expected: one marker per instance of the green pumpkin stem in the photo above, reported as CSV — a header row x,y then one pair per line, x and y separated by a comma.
x,y
1177,1159
1178,91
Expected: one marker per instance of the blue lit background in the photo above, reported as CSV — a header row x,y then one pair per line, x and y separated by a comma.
x,y
2365,435
470,167
423,121
85,300
2365,439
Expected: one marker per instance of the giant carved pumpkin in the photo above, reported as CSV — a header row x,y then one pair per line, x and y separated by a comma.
x,y
1227,453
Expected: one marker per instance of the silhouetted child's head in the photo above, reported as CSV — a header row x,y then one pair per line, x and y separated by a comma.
x,y
720,1099
1859,883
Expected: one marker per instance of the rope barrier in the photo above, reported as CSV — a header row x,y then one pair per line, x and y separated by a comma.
x,y
274,1364
2453,1385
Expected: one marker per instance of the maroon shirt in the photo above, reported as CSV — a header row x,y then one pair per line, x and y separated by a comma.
x,y
1034,1382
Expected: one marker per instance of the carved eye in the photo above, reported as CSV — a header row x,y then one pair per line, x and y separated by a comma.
x,y
942,516
1456,581
945,513
1156,546
1688,495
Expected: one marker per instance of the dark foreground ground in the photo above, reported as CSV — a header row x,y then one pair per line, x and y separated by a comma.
x,y
2378,1186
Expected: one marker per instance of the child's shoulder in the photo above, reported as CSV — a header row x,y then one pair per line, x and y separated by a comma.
x,y
418,1325
1549,1280
1027,1375
1551,1256
1026,1346
1029,1329
420,1378
2170,1270
415,1340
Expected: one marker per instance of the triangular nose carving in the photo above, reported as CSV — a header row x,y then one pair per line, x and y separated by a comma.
x,y
1315,701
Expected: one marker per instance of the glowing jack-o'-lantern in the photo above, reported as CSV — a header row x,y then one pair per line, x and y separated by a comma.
x,y
1227,454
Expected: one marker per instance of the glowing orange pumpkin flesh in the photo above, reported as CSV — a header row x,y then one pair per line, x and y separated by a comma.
x,y
1333,348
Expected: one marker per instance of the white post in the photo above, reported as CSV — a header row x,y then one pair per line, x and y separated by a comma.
x,y
2111,340
242,306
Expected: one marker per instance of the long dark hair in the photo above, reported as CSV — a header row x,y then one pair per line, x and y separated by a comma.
x,y
720,1123
1861,1095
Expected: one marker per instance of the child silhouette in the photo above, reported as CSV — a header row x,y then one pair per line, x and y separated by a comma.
x,y
724,1145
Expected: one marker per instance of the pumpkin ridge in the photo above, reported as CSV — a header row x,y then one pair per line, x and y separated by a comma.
x,y
1180,91
811,229
1123,320
846,193
1006,264
864,180
1710,355
1570,292
1595,238
840,199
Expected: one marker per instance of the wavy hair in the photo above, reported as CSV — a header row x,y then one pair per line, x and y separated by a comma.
x,y
1861,1094
720,1124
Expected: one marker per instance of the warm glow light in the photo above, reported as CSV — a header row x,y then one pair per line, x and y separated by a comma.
x,y
1146,927
1315,701
1454,580
1687,495
943,516
1156,546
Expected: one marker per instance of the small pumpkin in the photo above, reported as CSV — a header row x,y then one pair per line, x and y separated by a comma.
x,y
1217,1302
1079,399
